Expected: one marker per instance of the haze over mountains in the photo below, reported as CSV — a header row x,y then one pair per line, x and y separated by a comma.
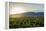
x,y
30,14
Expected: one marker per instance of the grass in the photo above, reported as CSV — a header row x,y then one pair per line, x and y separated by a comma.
x,y
26,21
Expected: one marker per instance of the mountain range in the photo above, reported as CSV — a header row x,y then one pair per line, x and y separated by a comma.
x,y
30,14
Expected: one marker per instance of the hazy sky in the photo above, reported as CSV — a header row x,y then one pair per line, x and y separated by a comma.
x,y
29,7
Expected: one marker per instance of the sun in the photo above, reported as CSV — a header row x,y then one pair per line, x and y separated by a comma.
x,y
17,10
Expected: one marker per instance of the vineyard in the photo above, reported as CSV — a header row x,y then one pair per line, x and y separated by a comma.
x,y
26,21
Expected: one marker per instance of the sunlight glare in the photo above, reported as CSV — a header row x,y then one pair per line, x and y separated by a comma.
x,y
17,10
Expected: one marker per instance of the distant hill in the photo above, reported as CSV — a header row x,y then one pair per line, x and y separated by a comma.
x,y
30,14
34,14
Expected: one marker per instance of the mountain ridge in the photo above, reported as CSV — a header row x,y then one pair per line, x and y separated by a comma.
x,y
30,14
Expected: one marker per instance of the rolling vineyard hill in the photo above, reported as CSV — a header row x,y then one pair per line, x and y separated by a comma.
x,y
26,20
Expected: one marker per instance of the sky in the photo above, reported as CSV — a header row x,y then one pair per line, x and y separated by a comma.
x,y
27,7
